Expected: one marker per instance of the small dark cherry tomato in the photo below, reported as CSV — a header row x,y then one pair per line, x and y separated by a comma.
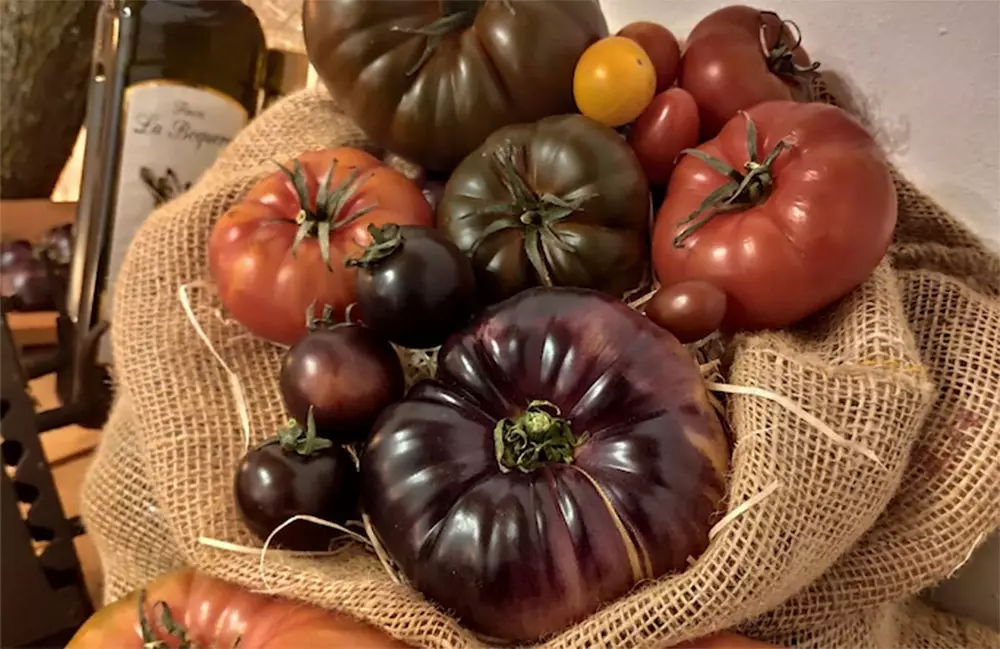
x,y
689,310
661,46
415,287
667,126
29,281
347,374
14,252
297,473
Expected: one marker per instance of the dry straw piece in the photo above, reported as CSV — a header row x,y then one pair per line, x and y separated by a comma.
x,y
905,368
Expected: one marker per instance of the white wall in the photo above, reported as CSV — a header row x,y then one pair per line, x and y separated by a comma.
x,y
929,71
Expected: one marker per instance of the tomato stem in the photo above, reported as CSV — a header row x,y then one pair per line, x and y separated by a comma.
x,y
455,15
534,214
386,240
743,191
176,630
537,437
294,439
325,217
780,58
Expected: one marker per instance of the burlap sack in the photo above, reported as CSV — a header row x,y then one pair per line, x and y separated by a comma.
x,y
823,545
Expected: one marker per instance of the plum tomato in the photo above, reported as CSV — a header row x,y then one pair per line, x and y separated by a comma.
x,y
415,287
297,473
667,126
614,81
661,46
689,310
346,373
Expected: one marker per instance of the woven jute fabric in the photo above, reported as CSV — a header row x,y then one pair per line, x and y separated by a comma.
x,y
830,549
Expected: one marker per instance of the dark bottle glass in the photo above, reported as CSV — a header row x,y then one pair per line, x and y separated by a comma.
x,y
173,81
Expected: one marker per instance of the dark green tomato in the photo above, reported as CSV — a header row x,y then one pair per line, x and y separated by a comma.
x,y
435,99
274,483
561,202
415,287
347,374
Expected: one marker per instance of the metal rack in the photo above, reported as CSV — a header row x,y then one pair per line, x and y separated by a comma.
x,y
44,597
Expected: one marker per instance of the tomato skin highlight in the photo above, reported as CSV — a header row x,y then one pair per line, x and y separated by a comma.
x,y
821,231
726,69
661,46
614,81
267,287
669,125
219,614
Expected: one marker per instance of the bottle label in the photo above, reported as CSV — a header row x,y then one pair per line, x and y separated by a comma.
x,y
171,133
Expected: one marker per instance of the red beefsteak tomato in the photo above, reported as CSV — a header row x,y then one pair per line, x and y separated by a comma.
x,y
216,614
788,209
738,57
283,246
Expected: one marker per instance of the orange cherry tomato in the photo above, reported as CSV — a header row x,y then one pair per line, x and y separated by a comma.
x,y
614,81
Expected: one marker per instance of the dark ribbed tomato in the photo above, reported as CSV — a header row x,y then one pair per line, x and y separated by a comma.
x,y
431,79
565,451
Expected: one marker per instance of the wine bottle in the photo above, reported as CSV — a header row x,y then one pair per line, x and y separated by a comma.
x,y
286,73
172,83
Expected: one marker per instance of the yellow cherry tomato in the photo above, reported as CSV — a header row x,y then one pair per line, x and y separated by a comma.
x,y
614,81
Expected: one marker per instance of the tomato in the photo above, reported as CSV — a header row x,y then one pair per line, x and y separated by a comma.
x,y
667,126
345,375
15,252
738,57
689,310
431,79
296,473
561,202
220,615
269,267
813,217
515,522
614,81
661,46
415,287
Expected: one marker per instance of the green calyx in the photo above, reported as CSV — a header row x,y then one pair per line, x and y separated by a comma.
x,y
294,439
386,240
327,320
780,58
743,191
537,437
325,217
455,15
534,214
150,639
